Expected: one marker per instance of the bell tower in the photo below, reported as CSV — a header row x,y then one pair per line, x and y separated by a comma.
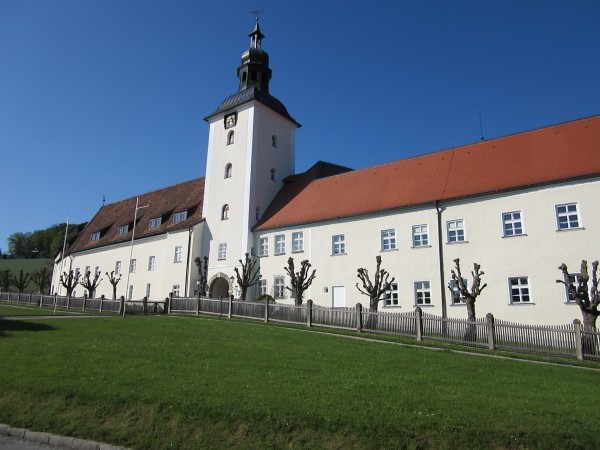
x,y
251,149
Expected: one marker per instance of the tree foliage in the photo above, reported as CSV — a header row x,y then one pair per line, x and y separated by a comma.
x,y
90,283
469,297
300,281
586,296
247,278
22,281
41,278
5,280
46,243
202,265
381,283
114,279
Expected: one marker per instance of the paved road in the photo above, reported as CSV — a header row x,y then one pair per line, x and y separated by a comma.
x,y
13,443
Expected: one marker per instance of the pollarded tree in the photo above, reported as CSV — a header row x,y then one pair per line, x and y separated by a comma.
x,y
114,280
203,272
381,283
5,280
586,297
70,281
22,281
300,281
91,283
41,278
468,297
247,279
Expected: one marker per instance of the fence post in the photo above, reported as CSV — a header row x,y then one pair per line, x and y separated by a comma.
x,y
198,304
266,310
145,304
230,298
491,332
419,323
101,302
30,294
122,306
84,300
359,321
169,300
309,309
578,341
55,300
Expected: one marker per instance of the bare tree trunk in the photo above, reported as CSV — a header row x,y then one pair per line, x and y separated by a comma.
x,y
371,323
243,291
590,341
471,333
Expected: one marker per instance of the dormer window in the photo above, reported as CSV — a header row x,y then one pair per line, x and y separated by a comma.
x,y
225,212
228,169
95,236
230,137
155,222
274,141
123,229
180,217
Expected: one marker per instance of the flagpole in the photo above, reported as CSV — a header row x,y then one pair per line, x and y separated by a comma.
x,y
62,262
137,202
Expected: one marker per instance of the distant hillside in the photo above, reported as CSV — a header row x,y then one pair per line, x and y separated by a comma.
x,y
28,265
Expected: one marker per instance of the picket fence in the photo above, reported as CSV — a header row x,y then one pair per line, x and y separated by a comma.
x,y
570,340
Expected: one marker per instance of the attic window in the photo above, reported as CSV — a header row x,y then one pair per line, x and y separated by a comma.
x,y
123,229
155,222
95,236
180,216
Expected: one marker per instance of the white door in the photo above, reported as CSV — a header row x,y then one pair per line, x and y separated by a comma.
x,y
339,296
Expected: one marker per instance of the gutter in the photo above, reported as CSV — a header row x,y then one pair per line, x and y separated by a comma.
x,y
441,259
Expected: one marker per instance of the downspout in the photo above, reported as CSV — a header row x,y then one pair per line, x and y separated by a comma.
x,y
187,261
441,259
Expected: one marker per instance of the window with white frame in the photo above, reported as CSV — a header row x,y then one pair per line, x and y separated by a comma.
x,y
179,217
420,235
263,246
222,254
154,222
148,290
388,239
512,223
95,236
391,296
118,267
422,293
133,265
175,290
178,253
279,244
455,293
298,241
574,278
455,230
225,212
228,170
278,287
97,271
567,216
151,263
338,244
519,290
87,269
123,229
130,294
262,287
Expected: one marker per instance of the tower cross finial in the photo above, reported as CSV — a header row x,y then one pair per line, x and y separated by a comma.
x,y
256,12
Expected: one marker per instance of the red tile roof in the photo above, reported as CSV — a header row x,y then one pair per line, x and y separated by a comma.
x,y
565,151
163,203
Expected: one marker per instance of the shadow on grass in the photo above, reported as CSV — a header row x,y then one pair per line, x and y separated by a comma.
x,y
7,326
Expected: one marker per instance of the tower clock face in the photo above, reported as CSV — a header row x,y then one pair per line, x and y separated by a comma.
x,y
230,120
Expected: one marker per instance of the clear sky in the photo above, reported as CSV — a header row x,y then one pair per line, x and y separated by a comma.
x,y
107,97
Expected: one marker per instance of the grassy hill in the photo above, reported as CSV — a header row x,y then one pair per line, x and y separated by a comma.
x,y
28,265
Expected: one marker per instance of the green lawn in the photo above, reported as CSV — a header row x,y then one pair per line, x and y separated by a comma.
x,y
24,310
183,382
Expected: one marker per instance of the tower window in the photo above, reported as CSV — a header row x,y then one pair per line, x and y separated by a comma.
x,y
230,137
274,141
228,168
273,174
244,77
225,212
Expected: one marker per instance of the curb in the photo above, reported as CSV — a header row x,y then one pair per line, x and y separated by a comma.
x,y
54,439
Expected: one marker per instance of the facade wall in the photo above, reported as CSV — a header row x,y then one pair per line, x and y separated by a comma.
x,y
534,255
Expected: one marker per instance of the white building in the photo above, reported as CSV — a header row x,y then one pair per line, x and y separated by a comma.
x,y
518,205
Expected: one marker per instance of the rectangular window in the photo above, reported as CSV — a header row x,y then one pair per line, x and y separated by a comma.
x,y
148,290
420,235
567,216
338,244
175,290
77,271
263,246
512,223
456,230
178,252
279,244
455,293
118,267
95,236
519,290
422,293
87,269
278,287
130,295
222,251
123,229
97,271
133,265
151,262
388,240
180,217
298,241
391,296
155,222
573,278
262,287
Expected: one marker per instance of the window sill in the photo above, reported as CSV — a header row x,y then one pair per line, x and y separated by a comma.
x,y
424,306
392,307
570,229
262,256
457,242
521,304
278,254
458,304
571,303
338,254
420,246
388,250
297,251
514,236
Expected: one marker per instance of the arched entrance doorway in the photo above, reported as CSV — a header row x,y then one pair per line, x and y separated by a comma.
x,y
218,286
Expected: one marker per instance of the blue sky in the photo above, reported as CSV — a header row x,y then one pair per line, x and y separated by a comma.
x,y
106,97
